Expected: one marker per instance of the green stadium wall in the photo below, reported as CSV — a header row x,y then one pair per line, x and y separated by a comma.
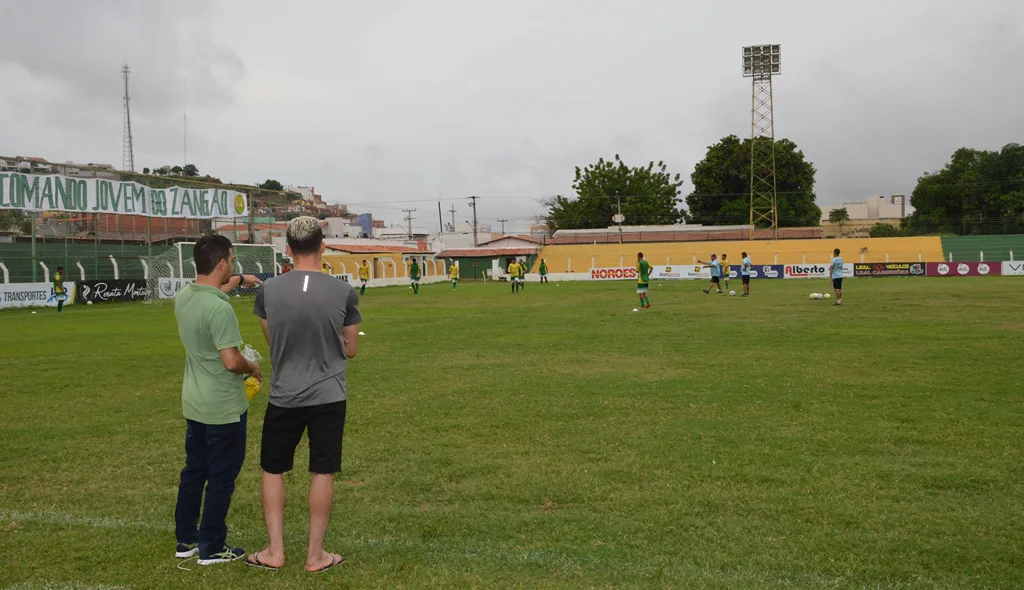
x,y
995,248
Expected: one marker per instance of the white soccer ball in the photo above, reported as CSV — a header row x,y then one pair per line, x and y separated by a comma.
x,y
34,313
732,293
813,296
362,333
827,296
634,309
88,302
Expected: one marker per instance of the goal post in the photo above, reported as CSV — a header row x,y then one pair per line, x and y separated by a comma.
x,y
174,268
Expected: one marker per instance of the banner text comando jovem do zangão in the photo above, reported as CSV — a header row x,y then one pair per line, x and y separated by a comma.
x,y
53,192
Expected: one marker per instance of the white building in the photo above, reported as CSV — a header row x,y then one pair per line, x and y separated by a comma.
x,y
871,208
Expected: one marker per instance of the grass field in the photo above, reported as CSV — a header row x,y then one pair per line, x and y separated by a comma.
x,y
557,439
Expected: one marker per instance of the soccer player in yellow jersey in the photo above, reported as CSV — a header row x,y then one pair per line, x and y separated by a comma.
x,y
325,268
364,277
453,273
725,271
59,293
513,275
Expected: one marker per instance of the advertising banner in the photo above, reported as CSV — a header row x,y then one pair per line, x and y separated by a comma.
x,y
1013,269
962,269
612,274
32,295
888,269
816,271
676,272
167,288
761,271
53,192
113,290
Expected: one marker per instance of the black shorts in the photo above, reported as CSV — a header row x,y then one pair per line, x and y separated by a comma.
x,y
714,280
282,430
746,279
837,284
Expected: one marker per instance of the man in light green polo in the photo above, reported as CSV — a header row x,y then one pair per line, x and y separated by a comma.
x,y
213,402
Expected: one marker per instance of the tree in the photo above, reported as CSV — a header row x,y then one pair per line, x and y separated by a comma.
x,y
839,216
272,185
176,170
163,170
884,230
721,185
976,192
649,195
190,170
145,170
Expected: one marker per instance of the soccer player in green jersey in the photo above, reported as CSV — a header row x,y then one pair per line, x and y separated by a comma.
x,y
643,277
414,277
58,289
522,275
543,271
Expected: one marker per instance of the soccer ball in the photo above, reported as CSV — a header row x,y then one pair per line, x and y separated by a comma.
x,y
827,296
732,293
88,302
813,296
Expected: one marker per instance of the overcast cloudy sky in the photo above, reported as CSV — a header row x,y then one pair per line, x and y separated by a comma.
x,y
380,102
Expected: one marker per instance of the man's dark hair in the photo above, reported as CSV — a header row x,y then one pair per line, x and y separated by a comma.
x,y
743,254
836,251
209,251
639,254
305,235
60,268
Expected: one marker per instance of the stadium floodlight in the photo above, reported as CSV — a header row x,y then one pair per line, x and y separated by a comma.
x,y
760,64
762,60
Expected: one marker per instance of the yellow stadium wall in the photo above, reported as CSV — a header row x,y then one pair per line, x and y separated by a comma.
x,y
582,257
385,266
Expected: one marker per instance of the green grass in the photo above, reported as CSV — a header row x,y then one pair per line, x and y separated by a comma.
x,y
557,439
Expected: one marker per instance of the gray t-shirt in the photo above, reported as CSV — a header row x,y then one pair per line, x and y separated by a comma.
x,y
305,312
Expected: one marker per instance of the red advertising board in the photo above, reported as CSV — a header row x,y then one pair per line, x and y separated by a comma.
x,y
962,269
612,274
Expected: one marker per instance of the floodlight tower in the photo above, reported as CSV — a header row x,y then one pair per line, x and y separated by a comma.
x,y
127,149
760,64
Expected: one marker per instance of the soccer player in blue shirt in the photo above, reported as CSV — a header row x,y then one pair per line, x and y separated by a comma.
x,y
837,276
745,273
716,274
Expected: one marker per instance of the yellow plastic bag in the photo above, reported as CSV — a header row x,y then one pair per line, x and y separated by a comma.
x,y
252,387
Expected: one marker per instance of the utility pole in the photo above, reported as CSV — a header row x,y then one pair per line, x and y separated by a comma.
x,y
452,211
619,218
440,220
408,218
502,222
475,242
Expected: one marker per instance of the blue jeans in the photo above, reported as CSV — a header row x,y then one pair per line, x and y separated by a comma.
x,y
213,458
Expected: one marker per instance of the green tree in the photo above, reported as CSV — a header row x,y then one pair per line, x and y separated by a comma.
x,y
272,185
145,170
839,216
976,192
190,170
649,195
884,230
176,170
721,185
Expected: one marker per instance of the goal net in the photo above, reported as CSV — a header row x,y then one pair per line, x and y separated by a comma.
x,y
175,268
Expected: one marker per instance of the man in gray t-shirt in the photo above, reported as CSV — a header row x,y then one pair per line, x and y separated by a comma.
x,y
311,322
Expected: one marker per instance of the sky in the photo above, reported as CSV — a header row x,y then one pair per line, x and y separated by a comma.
x,y
397,104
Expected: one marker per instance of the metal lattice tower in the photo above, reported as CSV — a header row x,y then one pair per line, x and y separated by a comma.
x,y
760,63
128,150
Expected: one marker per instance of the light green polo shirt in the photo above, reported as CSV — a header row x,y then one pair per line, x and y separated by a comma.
x,y
207,324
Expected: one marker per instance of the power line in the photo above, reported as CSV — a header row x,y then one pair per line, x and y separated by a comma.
x,y
408,218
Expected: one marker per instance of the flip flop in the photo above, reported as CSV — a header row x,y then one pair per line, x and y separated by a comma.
x,y
256,563
334,561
